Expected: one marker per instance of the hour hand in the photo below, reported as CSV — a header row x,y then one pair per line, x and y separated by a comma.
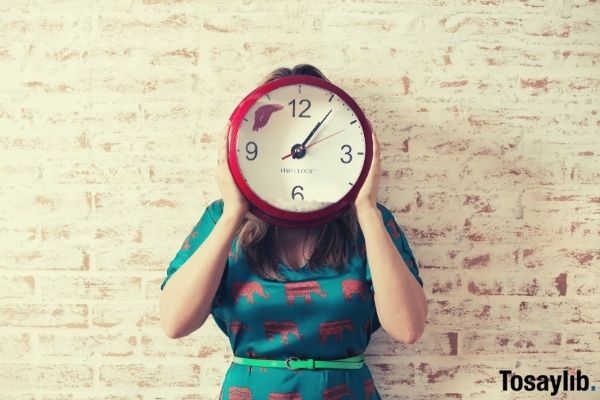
x,y
315,128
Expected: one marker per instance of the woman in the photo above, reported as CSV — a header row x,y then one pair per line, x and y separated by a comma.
x,y
295,295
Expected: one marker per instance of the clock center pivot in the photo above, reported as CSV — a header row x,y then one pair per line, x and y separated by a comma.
x,y
298,151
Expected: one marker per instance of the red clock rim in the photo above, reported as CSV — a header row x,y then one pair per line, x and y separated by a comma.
x,y
290,217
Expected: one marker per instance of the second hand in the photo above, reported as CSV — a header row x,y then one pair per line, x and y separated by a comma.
x,y
315,142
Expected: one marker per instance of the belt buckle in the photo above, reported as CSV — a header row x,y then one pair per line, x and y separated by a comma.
x,y
291,358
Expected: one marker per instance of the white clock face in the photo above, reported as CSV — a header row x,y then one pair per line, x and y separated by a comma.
x,y
333,156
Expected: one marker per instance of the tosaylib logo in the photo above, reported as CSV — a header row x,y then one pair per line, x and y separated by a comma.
x,y
568,381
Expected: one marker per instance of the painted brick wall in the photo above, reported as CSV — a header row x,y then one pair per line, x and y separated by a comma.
x,y
488,116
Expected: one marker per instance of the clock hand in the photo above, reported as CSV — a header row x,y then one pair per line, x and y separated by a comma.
x,y
315,142
315,128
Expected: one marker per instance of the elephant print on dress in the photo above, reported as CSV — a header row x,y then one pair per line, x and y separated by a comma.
x,y
239,393
248,289
186,243
283,328
334,328
293,289
351,286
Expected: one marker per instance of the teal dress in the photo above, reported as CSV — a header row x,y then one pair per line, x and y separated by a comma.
x,y
322,315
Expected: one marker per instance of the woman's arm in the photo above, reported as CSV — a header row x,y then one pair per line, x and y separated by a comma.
x,y
186,299
399,299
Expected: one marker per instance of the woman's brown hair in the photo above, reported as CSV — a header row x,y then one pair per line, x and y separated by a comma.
x,y
335,242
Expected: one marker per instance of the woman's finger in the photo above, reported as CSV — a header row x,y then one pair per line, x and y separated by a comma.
x,y
375,142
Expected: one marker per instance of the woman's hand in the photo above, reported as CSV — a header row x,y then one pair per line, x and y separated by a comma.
x,y
234,202
367,195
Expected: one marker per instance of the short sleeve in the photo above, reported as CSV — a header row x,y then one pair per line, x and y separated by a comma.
x,y
399,239
194,239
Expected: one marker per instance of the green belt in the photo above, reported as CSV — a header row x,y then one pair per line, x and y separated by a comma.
x,y
293,362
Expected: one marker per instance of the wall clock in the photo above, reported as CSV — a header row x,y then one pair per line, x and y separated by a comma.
x,y
299,150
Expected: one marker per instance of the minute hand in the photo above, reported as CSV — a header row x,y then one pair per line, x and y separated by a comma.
x,y
315,129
